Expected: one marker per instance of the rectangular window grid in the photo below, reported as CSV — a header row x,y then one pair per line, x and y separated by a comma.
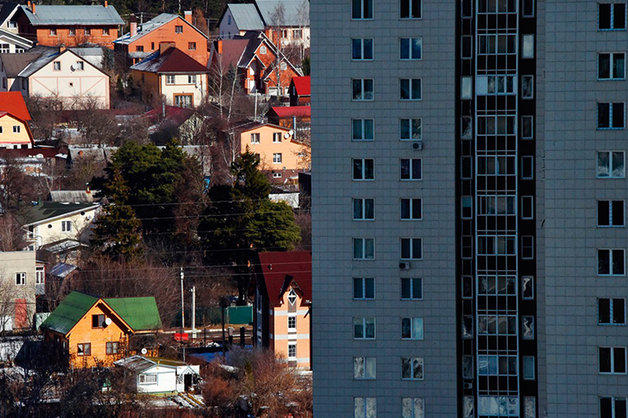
x,y
410,129
411,288
363,288
411,209
362,49
412,328
611,311
363,169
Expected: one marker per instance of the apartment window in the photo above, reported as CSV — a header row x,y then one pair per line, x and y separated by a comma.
x,y
84,349
491,125
612,360
527,287
611,311
364,368
411,288
612,16
610,164
493,365
527,127
139,48
363,209
40,275
494,85
497,44
178,29
16,129
527,247
410,129
98,321
611,66
410,9
466,168
364,408
277,158
610,115
412,368
363,248
613,407
362,89
191,79
53,32
411,209
363,169
105,32
466,48
72,32
466,127
362,129
412,408
527,87
497,325
410,89
411,248
362,49
292,323
527,207
611,262
192,46
66,226
292,351
410,48
148,379
56,65
529,371
363,288
410,169
112,347
364,328
496,245
610,213
170,79
20,279
362,9
88,32
527,167
527,46
412,328
276,137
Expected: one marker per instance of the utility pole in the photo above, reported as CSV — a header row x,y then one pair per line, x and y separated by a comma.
x,y
182,304
193,312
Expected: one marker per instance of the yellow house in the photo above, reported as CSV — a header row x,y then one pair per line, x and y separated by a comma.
x,y
14,132
93,331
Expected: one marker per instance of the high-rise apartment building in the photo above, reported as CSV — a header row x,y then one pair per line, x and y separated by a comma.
x,y
469,208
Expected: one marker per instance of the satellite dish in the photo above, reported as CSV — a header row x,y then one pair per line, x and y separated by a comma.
x,y
291,132
72,67
286,135
108,321
144,351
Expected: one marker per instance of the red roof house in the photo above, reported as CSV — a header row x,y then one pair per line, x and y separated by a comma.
x,y
300,91
13,102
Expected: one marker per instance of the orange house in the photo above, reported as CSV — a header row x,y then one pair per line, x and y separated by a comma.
x,y
94,331
69,25
165,29
283,299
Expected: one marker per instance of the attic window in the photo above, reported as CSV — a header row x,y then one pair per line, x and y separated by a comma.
x,y
98,321
292,297
178,29
88,32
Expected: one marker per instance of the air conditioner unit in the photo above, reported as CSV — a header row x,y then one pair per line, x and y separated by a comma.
x,y
467,385
417,145
404,265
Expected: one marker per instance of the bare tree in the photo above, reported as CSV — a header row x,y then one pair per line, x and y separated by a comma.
x,y
98,126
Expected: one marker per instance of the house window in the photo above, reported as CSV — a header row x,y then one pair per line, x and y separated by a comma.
x,y
411,209
292,297
5,48
16,129
612,360
412,328
410,9
292,351
363,169
297,34
98,321
148,379
20,279
88,32
410,89
611,262
255,138
276,137
183,100
411,288
410,48
139,48
170,79
610,213
412,408
363,288
40,275
178,29
80,66
292,323
364,368
412,368
362,89
66,226
362,9
56,65
611,16
363,248
611,66
84,349
364,408
362,49
53,32
611,311
72,32
411,248
191,79
362,129
277,159
410,129
363,209
610,164
152,46
105,32
112,347
364,328
610,115
410,169
192,46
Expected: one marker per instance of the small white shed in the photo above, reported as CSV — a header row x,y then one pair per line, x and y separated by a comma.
x,y
159,375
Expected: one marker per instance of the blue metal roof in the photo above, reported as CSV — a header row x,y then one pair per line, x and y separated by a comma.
x,y
46,15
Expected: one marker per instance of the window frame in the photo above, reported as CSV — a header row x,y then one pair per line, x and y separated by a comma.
x,y
84,349
610,212
191,78
413,411
408,327
360,49
611,17
415,364
363,169
364,214
412,284
99,320
277,158
178,29
368,364
614,400
362,10
612,253
66,226
413,127
170,79
363,253
609,124
363,405
410,169
255,138
408,89
610,169
363,287
409,49
363,91
611,67
112,347
411,203
359,130
411,243
611,314
411,12
191,46
361,330
615,367
20,278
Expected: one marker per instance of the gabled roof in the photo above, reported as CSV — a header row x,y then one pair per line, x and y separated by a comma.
x,y
69,312
15,39
279,269
138,364
290,111
62,15
7,10
295,12
153,24
173,60
13,103
47,211
232,50
15,63
71,196
46,58
302,85
175,115
246,16
256,125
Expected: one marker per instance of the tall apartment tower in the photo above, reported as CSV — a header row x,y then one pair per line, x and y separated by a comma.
x,y
468,198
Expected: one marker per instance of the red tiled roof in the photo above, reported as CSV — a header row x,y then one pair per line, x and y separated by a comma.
x,y
178,115
280,268
289,111
302,84
172,60
12,102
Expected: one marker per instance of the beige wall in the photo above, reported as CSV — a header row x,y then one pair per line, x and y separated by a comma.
x,y
266,148
12,263
183,87
53,231
281,337
11,139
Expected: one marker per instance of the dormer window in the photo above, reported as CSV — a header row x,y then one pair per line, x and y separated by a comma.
x,y
292,297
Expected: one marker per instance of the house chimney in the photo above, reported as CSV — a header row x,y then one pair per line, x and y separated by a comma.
x,y
219,46
33,8
188,16
29,4
164,46
106,4
133,25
